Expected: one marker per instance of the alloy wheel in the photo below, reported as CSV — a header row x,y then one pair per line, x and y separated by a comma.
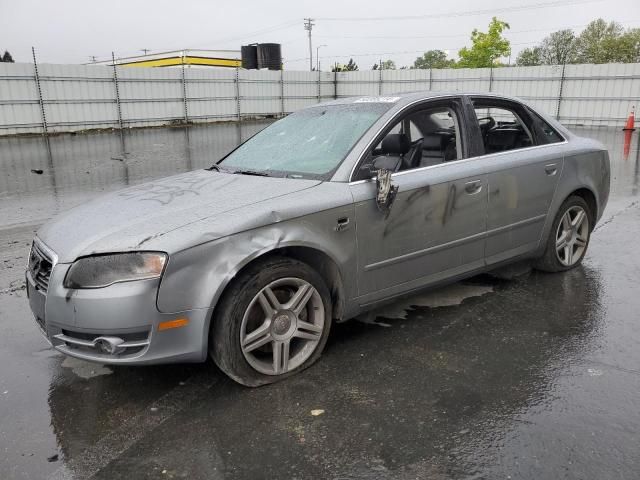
x,y
282,326
572,236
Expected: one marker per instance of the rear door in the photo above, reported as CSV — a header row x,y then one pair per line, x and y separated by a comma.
x,y
435,228
523,166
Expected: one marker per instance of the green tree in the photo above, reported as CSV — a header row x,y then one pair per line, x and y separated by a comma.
x,y
349,67
629,46
559,48
529,57
386,65
598,42
486,48
6,57
433,59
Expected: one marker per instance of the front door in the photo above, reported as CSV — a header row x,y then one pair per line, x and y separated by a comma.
x,y
436,225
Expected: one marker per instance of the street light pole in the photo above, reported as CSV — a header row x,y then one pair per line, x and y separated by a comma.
x,y
318,56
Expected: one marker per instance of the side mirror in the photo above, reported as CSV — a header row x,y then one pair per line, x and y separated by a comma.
x,y
384,166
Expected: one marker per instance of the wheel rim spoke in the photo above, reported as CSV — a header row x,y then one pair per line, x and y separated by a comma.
x,y
300,299
568,254
259,337
580,216
566,221
281,357
581,242
268,301
562,241
308,331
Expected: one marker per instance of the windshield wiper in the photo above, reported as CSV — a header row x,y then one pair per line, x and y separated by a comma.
x,y
251,172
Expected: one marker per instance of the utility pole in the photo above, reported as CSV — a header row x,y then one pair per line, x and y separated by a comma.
x,y
93,58
145,50
308,25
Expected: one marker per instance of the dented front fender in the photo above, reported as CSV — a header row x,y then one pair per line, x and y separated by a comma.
x,y
196,277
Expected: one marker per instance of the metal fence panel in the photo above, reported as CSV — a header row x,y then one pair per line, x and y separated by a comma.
x,y
358,83
211,94
77,97
395,81
19,104
259,92
151,96
300,90
461,79
599,94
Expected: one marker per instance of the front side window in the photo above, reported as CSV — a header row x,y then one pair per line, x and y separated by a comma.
x,y
422,138
310,143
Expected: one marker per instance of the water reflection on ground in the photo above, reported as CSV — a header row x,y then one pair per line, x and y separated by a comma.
x,y
532,378
74,168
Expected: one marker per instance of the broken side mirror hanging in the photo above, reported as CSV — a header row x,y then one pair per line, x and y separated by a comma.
x,y
386,190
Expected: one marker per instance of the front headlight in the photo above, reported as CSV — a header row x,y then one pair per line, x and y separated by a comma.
x,y
104,270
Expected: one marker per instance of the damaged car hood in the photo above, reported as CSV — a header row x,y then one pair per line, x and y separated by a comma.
x,y
128,219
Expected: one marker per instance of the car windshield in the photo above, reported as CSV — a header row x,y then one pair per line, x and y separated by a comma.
x,y
310,143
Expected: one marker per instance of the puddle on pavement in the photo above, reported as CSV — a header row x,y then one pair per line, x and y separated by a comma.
x,y
84,369
448,296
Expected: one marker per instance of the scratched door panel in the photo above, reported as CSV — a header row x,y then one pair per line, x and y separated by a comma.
x,y
435,228
521,187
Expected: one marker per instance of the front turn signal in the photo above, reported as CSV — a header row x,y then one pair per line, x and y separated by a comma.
x,y
177,323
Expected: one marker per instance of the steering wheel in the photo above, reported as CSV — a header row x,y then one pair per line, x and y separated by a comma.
x,y
486,123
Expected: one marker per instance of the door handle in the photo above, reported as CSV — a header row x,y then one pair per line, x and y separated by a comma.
x,y
343,224
473,187
551,169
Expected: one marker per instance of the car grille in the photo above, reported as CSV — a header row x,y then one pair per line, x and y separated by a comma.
x,y
40,266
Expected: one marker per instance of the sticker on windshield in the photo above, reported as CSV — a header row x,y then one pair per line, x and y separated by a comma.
x,y
377,100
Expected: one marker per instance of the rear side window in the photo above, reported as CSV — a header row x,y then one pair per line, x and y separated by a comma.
x,y
546,133
502,128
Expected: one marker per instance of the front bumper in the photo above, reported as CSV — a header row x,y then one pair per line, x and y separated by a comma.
x,y
72,320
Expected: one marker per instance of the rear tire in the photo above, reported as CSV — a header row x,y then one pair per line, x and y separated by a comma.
x,y
568,238
272,322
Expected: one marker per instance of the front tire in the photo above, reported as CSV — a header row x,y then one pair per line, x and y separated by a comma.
x,y
568,238
272,322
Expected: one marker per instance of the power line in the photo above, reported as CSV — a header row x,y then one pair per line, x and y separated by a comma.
x,y
464,13
273,28
356,55
509,32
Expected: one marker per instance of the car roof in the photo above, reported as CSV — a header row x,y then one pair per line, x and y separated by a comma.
x,y
403,98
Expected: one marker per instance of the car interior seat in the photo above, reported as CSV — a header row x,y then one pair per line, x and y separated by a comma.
x,y
397,145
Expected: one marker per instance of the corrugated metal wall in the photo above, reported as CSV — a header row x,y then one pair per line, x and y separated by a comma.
x,y
79,97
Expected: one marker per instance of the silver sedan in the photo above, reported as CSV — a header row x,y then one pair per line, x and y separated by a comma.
x,y
323,215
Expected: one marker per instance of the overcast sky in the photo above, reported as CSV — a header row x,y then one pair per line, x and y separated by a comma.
x,y
70,31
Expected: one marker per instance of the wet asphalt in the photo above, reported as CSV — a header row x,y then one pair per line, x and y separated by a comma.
x,y
534,377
